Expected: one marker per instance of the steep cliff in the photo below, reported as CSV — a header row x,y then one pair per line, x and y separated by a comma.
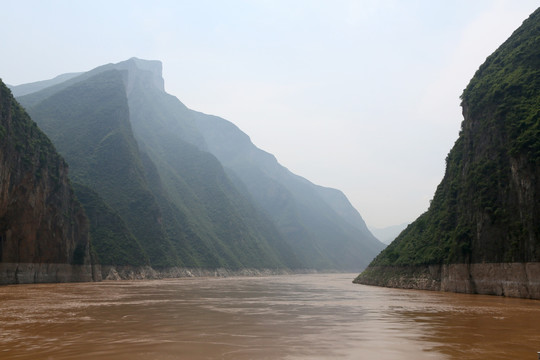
x,y
486,210
43,229
226,228
89,124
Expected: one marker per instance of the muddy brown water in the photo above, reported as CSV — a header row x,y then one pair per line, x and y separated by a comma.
x,y
321,316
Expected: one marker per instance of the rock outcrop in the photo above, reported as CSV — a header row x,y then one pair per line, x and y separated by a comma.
x,y
43,229
504,279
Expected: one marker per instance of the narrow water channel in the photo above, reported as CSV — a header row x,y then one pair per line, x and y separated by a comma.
x,y
282,317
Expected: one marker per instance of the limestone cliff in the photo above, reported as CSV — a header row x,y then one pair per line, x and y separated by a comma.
x,y
481,233
43,229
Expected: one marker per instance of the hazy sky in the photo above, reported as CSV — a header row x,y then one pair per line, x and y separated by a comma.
x,y
358,95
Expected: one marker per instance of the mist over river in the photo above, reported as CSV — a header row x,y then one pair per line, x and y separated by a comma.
x,y
321,316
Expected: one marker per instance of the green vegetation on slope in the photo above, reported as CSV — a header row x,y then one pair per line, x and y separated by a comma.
x,y
224,227
112,242
38,152
89,124
40,220
507,85
161,201
486,207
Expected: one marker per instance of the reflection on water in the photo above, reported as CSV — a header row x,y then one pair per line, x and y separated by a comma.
x,y
285,317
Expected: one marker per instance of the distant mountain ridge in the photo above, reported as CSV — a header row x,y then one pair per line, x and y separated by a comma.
x,y
24,89
306,213
217,204
387,234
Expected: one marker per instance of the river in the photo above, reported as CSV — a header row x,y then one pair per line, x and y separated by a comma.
x,y
322,316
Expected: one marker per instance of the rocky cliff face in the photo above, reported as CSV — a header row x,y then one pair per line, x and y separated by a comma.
x,y
43,229
485,214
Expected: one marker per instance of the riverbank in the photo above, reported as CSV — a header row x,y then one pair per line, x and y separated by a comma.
x,y
520,280
33,273
149,273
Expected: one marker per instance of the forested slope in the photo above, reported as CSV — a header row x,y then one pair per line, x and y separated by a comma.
x,y
486,208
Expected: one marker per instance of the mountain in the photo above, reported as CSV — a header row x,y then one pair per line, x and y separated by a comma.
x,y
179,210
387,234
319,223
212,197
481,233
89,124
194,179
43,228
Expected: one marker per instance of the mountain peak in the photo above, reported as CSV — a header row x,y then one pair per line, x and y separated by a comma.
x,y
154,68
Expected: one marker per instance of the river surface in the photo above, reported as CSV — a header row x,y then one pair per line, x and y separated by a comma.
x,y
281,317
